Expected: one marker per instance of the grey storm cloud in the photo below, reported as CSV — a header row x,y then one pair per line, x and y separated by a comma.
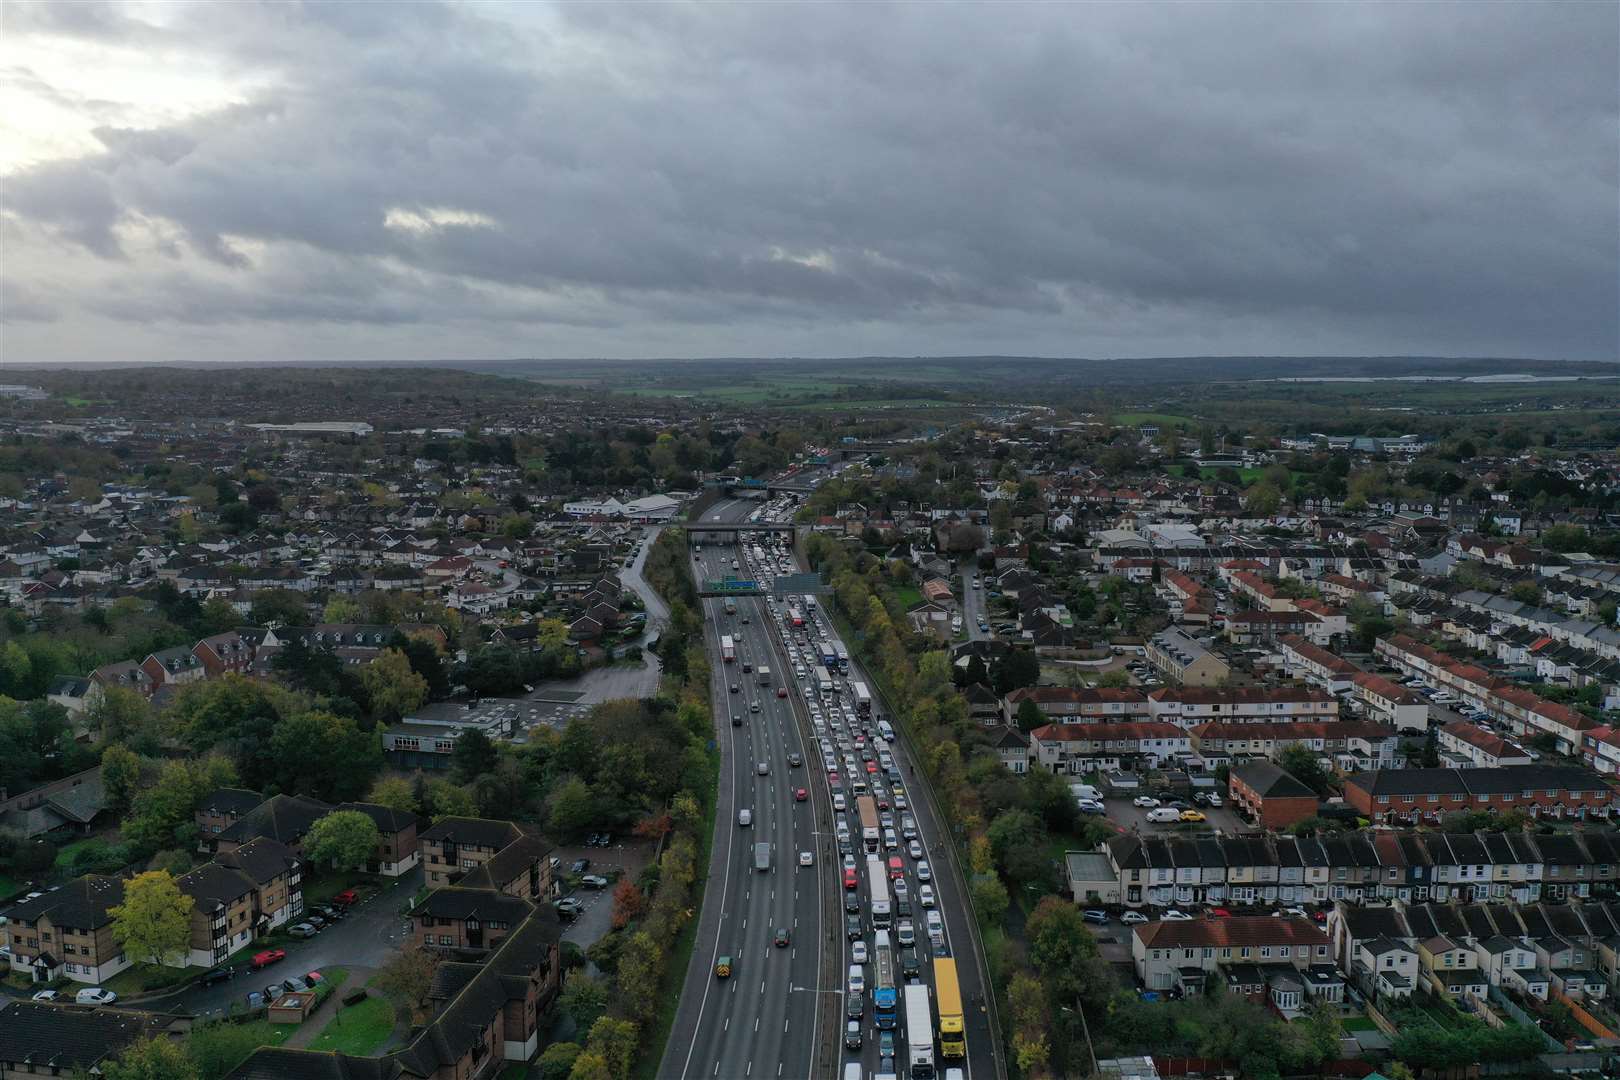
x,y
1058,178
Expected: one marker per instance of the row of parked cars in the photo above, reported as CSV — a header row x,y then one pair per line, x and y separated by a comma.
x,y
89,995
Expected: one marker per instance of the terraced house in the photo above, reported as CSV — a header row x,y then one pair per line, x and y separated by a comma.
x,y
487,854
1373,866
1425,796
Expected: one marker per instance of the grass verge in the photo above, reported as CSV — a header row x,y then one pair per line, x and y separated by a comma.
x,y
680,958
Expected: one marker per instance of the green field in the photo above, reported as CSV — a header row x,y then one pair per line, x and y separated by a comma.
x,y
360,1029
1133,419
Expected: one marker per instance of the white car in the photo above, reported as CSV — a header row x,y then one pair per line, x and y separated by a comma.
x,y
838,803
924,871
925,895
807,858
47,995
1133,918
914,849
857,979
1175,916
857,951
745,817
94,995
1146,802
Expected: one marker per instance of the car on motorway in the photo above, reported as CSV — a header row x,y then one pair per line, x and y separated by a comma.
x,y
852,926
897,869
735,689
745,817
1146,802
795,759
800,795
914,849
911,965
852,1035
266,958
925,895
736,721
857,979
857,951
838,803
807,858
781,691
905,933
782,939
852,902
924,871
722,967
1133,918
763,768
852,880
854,1006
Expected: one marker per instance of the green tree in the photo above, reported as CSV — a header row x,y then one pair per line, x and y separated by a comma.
x,y
395,793
117,714
584,999
345,839
408,978
990,900
324,755
157,1058
1029,716
284,607
1018,668
341,609
154,921
615,1040
474,755
392,687
120,777
557,1060
573,808
1114,680
591,1065
446,799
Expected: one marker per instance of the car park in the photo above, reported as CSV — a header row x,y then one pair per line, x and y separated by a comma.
x,y
346,898
255,999
579,866
1090,806
569,907
293,984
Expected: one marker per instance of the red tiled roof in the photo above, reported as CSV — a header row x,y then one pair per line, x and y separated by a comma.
x,y
1238,930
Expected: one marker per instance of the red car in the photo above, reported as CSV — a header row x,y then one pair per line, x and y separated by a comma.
x,y
851,879
1219,913
266,958
897,869
882,801
871,767
346,897
800,795
781,691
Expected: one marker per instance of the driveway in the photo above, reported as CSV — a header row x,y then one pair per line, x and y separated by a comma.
x,y
369,937
972,600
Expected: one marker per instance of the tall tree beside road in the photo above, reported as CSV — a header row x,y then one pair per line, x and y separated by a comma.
x,y
345,839
153,923
158,1058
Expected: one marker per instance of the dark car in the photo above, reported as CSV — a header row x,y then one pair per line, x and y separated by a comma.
x,y
852,903
217,975
910,965
579,866
330,914
783,938
795,760
852,926
855,1006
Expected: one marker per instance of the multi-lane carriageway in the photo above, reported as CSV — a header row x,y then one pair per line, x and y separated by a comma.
x,y
781,1013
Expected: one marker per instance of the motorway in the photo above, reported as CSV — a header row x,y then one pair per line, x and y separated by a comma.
x,y
763,1020
782,1011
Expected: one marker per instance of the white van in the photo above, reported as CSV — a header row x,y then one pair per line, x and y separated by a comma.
x,y
1163,815
1085,791
852,1071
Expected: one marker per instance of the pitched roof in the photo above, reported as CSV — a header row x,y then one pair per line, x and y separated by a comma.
x,y
1238,930
82,902
63,1038
1271,782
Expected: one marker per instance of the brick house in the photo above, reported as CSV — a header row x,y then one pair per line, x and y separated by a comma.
x,y
227,653
1428,794
68,932
461,920
1269,796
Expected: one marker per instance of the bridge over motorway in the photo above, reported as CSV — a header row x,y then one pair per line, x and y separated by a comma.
x,y
734,529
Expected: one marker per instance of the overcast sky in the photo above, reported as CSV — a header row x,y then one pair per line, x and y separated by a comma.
x,y
363,181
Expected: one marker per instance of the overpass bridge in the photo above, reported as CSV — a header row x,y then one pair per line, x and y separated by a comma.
x,y
733,529
782,585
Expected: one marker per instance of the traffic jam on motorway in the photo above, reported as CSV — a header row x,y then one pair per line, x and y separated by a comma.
x,y
901,994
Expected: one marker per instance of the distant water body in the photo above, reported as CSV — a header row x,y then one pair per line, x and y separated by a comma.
x,y
1439,378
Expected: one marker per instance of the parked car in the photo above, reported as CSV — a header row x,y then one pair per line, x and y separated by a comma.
x,y
1133,918
1090,806
1146,802
217,975
1175,916
47,995
1094,915
295,984
346,898
266,958
594,881
303,930
1193,815
255,999
568,907
1163,815
579,866
94,995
